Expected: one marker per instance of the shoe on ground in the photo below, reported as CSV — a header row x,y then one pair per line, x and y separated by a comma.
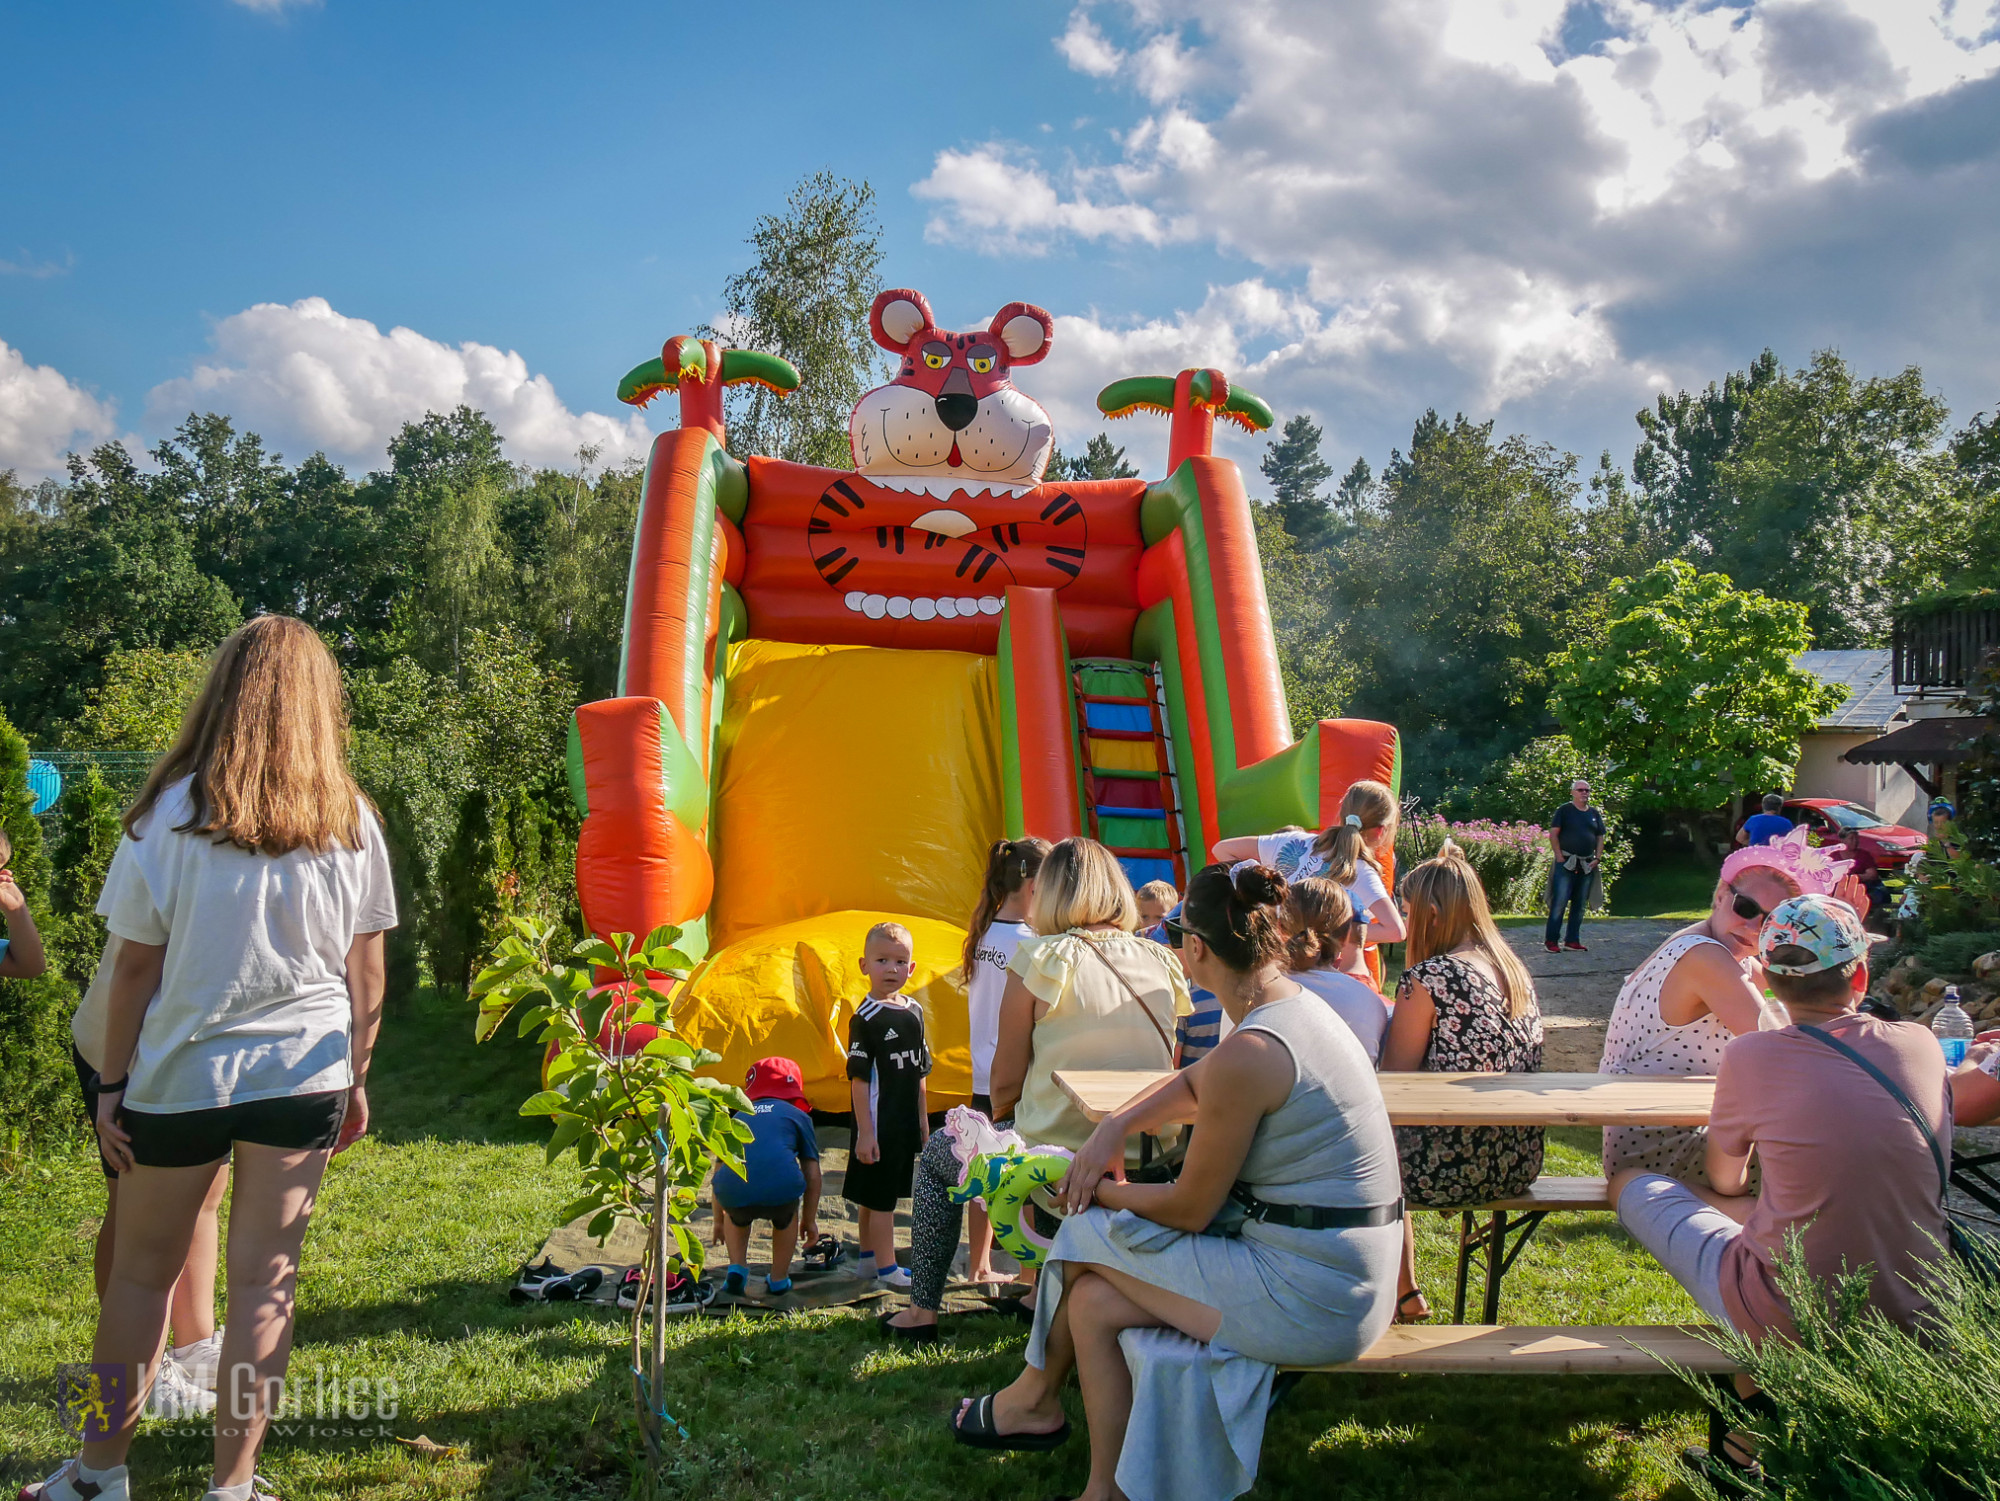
x,y
1553,948
574,1288
1576,948
735,1281
897,1278
628,1288
823,1255
682,1294
260,1490
67,1484
176,1396
528,1285
914,1334
200,1359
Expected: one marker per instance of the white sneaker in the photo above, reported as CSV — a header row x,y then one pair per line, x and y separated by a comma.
x,y
67,1485
897,1277
175,1396
200,1359
260,1490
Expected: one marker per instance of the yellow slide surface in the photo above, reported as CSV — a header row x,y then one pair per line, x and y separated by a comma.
x,y
858,785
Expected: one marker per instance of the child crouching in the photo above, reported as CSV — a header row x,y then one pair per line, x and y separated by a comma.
x,y
780,1167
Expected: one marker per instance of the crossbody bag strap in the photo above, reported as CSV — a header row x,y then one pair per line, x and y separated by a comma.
x,y
1923,1126
1137,999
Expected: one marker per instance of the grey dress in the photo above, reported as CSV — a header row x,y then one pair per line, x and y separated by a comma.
x,y
1287,1296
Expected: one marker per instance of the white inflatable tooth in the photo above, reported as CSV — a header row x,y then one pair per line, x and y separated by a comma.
x,y
924,609
899,608
990,604
967,607
874,606
947,609
855,599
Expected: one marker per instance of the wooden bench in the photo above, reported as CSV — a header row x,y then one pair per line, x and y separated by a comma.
x,y
1535,1350
1545,1196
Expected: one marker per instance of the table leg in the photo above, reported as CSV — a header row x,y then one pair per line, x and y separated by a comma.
x,y
1496,1243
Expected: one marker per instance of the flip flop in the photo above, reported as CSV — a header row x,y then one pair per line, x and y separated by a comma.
x,y
1412,1318
975,1430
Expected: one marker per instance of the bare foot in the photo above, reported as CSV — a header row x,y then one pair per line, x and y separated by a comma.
x,y
981,1274
1412,1307
1018,1412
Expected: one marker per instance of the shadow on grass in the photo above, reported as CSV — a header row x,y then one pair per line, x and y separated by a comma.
x,y
430,1080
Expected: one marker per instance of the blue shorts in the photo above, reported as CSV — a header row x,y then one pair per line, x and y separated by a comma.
x,y
1686,1234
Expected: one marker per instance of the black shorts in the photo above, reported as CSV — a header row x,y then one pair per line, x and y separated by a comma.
x,y
744,1215
194,1138
87,1080
879,1184
983,1103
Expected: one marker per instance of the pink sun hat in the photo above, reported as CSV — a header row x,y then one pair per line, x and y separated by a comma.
x,y
1814,871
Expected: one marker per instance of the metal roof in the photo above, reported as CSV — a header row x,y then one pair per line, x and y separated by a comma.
x,y
1872,702
1924,742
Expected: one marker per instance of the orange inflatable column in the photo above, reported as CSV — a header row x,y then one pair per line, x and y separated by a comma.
x,y
1040,794
640,861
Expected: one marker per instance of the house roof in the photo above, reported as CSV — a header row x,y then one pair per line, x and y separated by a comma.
x,y
1923,742
1872,702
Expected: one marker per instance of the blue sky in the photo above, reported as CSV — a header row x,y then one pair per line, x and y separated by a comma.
x,y
1535,210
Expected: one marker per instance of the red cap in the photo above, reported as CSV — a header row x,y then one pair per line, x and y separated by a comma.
x,y
776,1079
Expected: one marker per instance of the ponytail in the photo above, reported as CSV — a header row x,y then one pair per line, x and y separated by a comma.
x,y
1344,845
1319,919
1010,865
1237,914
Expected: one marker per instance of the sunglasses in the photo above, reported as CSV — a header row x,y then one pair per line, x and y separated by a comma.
x,y
1744,908
1178,931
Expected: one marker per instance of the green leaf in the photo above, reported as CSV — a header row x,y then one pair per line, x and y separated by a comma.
x,y
545,1102
568,1129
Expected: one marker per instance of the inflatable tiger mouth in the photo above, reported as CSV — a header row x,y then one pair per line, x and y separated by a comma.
x,y
900,556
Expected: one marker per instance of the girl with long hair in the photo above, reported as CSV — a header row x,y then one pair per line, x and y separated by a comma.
x,y
1355,852
1465,1004
999,923
249,897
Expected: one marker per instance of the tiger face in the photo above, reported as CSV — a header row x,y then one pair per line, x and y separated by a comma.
x,y
951,419
900,556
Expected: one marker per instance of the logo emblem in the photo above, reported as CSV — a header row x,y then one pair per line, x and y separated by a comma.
x,y
87,1397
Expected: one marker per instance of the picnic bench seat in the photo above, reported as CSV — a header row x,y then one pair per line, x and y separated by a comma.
x,y
1544,1197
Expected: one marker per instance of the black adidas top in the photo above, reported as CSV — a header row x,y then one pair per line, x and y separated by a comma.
x,y
886,1046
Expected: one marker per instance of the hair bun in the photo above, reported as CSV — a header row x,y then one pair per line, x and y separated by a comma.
x,y
1259,885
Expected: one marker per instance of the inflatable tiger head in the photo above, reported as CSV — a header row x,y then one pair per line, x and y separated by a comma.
x,y
951,419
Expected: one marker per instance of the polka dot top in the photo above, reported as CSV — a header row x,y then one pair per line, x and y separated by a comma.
x,y
1638,1040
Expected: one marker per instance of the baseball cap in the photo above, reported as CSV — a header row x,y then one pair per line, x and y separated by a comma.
x,y
1827,929
776,1079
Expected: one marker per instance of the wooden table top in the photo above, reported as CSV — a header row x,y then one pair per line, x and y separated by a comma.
x,y
1474,1099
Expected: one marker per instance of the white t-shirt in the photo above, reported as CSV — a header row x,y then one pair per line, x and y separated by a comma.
x,y
1358,1004
1292,856
253,1001
982,995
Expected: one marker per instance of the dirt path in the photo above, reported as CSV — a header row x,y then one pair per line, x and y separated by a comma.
x,y
1576,991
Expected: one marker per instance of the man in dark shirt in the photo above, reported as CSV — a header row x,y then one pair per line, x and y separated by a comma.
x,y
1576,837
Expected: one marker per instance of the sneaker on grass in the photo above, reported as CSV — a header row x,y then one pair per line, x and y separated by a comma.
x,y
68,1484
176,1396
200,1358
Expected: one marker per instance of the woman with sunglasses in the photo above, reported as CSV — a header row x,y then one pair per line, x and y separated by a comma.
x,y
1703,986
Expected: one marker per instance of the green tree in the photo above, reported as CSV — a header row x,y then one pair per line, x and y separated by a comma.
x,y
1687,438
139,704
90,831
806,298
1296,471
35,1103
1693,692
1534,781
1100,459
1975,453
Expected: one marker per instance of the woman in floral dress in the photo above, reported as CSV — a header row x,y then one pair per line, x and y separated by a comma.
x,y
1465,1004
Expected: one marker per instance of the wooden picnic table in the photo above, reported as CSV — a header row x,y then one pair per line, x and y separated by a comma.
x,y
1421,1099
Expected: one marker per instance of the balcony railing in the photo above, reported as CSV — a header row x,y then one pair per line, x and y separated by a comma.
x,y
1941,650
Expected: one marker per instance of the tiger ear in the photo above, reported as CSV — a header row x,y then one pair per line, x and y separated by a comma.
x,y
897,317
1025,330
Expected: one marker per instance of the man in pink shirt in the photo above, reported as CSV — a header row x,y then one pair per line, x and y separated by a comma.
x,y
1843,1162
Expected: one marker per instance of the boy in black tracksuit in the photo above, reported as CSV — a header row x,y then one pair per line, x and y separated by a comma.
x,y
887,1059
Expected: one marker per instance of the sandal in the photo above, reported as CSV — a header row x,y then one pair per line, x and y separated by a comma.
x,y
1012,1307
909,1334
1412,1318
973,1427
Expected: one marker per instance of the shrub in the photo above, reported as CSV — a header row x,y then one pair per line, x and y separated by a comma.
x,y
1864,1410
1512,860
1534,782
89,838
36,1080
1953,953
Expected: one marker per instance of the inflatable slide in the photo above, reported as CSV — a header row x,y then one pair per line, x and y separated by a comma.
x,y
838,687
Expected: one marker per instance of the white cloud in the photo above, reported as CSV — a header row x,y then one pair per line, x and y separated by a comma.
x,y
307,377
43,415
27,265
1538,207
277,7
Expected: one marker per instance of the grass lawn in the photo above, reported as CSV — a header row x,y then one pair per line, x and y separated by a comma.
x,y
1676,885
419,1231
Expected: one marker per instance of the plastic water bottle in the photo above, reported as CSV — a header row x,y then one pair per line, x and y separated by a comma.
x,y
1952,1028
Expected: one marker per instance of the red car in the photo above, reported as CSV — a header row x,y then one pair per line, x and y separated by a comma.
x,y
1840,822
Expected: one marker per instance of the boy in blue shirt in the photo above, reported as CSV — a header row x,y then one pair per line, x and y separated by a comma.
x,y
780,1166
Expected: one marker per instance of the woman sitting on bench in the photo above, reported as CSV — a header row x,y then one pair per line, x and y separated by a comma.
x,y
1291,1169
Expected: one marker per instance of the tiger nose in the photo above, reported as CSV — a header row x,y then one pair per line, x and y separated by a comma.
x,y
956,405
